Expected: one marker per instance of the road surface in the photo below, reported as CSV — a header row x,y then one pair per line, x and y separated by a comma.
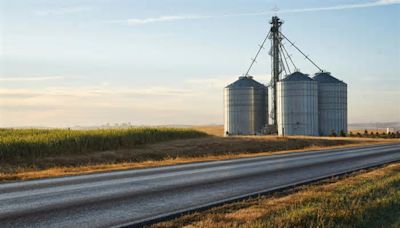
x,y
135,196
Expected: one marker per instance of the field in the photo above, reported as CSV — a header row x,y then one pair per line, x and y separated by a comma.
x,y
30,153
362,131
30,144
216,130
365,199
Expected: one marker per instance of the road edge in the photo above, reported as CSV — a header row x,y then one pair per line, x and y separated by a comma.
x,y
175,214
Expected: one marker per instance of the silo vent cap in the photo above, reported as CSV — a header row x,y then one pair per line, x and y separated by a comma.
x,y
326,77
244,77
246,81
297,76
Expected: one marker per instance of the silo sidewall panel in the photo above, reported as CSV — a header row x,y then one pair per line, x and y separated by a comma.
x,y
332,108
245,110
270,105
298,107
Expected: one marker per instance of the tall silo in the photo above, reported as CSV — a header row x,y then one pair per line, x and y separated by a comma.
x,y
332,104
297,105
245,107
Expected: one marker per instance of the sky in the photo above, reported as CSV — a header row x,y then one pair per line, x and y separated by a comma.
x,y
156,62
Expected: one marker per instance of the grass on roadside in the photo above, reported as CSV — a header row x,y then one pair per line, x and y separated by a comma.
x,y
365,199
31,154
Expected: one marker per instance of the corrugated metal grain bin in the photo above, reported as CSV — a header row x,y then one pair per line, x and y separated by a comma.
x,y
297,105
332,104
245,103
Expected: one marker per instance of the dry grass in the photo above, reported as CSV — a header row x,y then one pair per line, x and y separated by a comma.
x,y
365,199
216,130
168,153
362,131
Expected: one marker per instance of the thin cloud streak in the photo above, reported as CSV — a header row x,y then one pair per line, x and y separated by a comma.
x,y
21,79
343,7
62,10
136,21
95,91
143,21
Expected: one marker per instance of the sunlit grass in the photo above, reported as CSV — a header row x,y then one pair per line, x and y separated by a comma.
x,y
369,199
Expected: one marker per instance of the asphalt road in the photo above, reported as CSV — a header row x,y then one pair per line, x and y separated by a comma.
x,y
135,196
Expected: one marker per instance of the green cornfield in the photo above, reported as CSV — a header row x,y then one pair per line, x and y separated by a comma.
x,y
38,143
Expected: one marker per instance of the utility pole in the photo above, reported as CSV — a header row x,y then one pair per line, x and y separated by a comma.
x,y
276,71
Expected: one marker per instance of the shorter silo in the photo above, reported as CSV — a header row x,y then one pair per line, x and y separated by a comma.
x,y
332,104
297,105
245,107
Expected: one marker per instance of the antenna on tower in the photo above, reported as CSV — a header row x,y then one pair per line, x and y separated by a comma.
x,y
275,10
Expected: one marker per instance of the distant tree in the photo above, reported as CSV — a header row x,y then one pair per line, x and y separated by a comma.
x,y
359,134
342,133
372,134
366,132
351,134
398,134
333,133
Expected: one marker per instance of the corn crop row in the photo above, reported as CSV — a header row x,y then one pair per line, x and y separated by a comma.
x,y
35,143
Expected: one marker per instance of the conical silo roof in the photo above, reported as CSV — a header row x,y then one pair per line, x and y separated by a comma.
x,y
245,81
297,76
326,77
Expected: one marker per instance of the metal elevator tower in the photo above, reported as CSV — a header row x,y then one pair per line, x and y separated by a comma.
x,y
281,62
276,39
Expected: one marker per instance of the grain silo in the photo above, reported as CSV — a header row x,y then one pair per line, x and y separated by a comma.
x,y
297,106
332,104
245,103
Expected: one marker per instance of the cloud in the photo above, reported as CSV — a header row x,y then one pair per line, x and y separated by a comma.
x,y
143,21
62,10
161,19
21,79
343,7
94,91
211,82
136,21
91,105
